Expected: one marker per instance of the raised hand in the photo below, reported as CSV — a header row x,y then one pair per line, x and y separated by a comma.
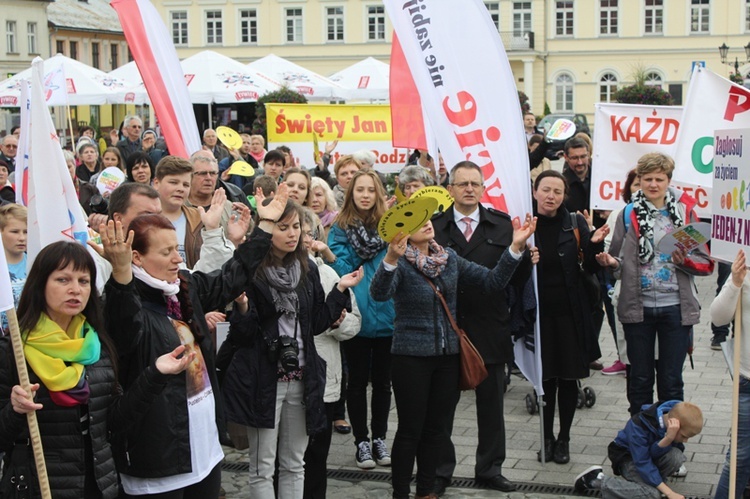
x,y
172,363
274,209
739,269
239,223
600,234
396,248
330,146
22,401
588,216
116,249
212,218
522,232
351,279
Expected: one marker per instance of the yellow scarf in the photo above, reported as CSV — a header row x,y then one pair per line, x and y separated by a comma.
x,y
58,357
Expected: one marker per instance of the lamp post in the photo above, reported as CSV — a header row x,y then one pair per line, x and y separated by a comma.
x,y
724,50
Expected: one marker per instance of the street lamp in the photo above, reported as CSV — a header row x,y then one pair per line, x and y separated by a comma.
x,y
724,50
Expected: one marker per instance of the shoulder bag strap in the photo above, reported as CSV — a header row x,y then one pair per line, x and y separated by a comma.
x,y
445,307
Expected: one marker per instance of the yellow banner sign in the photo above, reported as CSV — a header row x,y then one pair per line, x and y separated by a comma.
x,y
295,122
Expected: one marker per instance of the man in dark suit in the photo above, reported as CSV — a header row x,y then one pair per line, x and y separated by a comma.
x,y
481,235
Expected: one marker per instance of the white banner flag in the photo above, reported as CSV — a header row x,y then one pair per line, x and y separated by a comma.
x,y
470,99
712,103
54,211
22,156
6,292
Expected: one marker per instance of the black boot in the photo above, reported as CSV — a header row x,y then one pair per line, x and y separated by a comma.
x,y
549,450
562,452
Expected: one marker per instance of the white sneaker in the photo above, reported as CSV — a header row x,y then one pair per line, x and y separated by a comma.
x,y
681,473
364,456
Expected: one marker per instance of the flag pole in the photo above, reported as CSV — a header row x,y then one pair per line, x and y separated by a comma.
x,y
23,381
70,125
735,397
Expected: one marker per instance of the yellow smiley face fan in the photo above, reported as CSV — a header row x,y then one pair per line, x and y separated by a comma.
x,y
229,137
407,217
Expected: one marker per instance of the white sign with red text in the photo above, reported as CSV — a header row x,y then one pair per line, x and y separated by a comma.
x,y
624,133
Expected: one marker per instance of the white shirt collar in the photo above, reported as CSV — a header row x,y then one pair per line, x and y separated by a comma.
x,y
458,216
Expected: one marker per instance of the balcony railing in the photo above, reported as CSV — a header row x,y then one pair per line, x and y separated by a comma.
x,y
513,40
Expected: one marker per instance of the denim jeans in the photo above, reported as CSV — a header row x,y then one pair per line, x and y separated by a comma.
x,y
674,339
630,485
743,448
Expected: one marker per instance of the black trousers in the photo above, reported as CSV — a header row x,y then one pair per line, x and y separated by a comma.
x,y
490,453
426,392
316,457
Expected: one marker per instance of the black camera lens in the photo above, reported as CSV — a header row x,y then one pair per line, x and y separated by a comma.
x,y
98,204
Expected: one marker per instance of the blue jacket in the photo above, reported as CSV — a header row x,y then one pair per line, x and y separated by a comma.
x,y
422,328
377,316
641,437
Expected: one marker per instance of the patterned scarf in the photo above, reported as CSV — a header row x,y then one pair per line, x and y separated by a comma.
x,y
366,242
59,357
645,213
168,289
430,265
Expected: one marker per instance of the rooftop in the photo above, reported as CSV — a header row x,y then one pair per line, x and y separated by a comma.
x,y
88,15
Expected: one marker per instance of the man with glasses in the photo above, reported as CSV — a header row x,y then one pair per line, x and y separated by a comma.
x,y
480,235
205,180
8,151
577,172
132,140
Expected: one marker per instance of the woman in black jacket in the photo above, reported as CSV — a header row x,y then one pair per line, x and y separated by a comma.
x,y
276,380
568,340
70,361
174,451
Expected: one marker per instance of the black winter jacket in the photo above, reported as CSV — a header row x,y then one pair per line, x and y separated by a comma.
x,y
60,427
249,386
159,444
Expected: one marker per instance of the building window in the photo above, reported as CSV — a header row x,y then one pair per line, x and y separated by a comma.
x,y
179,27
60,47
521,18
10,36
654,17
31,37
653,79
293,25
73,47
248,26
607,17
699,16
113,56
564,92
335,24
214,28
494,9
376,23
607,87
564,18
95,54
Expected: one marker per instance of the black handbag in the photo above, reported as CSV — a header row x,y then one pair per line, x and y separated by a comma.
x,y
590,282
19,477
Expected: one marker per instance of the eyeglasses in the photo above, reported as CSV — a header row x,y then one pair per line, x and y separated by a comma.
x,y
578,158
464,185
206,173
309,234
11,146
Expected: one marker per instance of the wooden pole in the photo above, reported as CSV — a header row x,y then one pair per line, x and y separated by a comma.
x,y
735,396
23,377
70,125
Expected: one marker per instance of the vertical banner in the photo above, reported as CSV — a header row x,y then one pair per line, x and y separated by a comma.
x,y
157,61
6,291
730,222
22,156
469,96
712,103
54,211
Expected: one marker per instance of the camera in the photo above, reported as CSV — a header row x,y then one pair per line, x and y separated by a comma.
x,y
285,349
99,204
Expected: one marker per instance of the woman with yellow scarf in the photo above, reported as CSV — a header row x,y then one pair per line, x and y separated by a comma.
x,y
74,386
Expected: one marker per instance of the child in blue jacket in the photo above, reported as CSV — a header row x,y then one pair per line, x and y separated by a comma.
x,y
645,452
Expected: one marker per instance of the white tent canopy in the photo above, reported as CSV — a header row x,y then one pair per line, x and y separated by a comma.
x,y
84,85
313,86
366,80
211,78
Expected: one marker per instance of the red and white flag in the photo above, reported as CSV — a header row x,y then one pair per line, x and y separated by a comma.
x,y
54,211
157,61
6,291
469,96
22,157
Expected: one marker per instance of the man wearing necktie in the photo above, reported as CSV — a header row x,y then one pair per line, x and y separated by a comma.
x,y
481,235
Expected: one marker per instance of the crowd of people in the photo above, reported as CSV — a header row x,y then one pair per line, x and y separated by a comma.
x,y
136,392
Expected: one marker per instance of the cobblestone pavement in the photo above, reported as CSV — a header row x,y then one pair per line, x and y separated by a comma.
x,y
707,384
